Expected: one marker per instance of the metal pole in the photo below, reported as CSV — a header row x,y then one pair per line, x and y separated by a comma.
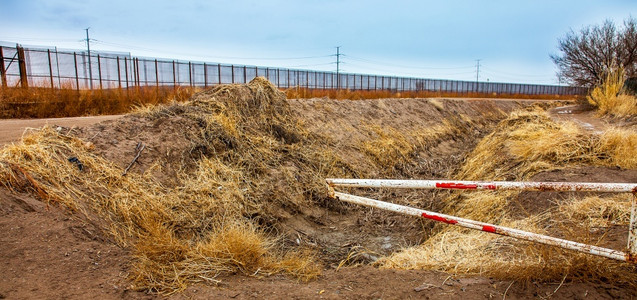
x,y
205,75
219,72
232,67
156,73
48,52
486,227
338,67
77,79
632,228
99,70
88,48
174,76
190,73
245,75
126,72
22,66
486,185
3,74
119,75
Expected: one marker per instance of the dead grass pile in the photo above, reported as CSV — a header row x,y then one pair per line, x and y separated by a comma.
x,y
253,161
527,143
610,98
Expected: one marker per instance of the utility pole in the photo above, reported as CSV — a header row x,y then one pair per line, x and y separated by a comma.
x,y
88,48
338,67
478,69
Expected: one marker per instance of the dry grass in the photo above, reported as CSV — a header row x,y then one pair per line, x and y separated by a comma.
x,y
300,93
390,148
595,211
523,145
258,160
39,102
611,99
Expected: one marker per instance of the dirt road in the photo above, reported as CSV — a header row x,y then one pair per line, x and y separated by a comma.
x,y
12,129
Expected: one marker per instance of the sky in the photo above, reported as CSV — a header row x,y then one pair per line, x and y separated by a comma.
x,y
512,40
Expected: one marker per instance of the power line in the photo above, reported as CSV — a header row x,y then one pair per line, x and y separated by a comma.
x,y
208,56
403,66
88,48
477,69
338,67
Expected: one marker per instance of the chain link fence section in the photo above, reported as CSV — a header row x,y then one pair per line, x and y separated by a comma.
x,y
43,67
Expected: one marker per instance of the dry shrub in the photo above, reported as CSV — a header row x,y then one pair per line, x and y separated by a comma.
x,y
526,143
37,102
302,92
611,99
254,161
620,146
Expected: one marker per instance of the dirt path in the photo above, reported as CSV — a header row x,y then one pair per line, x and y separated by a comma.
x,y
12,129
581,115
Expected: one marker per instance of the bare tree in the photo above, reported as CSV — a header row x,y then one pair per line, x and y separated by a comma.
x,y
586,56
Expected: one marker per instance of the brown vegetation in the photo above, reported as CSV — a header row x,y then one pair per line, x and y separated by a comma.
x,y
37,102
610,98
304,93
240,165
526,144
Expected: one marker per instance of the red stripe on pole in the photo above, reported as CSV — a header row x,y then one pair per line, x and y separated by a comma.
x,y
460,186
488,228
439,219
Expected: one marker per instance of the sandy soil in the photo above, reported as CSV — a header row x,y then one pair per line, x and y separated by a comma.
x,y
11,129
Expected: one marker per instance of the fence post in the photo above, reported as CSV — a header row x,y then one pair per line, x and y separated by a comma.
x,y
219,72
245,74
205,75
174,76
99,70
136,71
232,73
119,75
3,74
24,80
77,79
126,72
48,52
156,73
190,73
278,77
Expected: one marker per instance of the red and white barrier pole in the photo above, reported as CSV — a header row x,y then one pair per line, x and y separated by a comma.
x,y
486,185
529,236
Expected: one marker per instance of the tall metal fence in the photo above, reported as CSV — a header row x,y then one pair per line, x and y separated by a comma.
x,y
43,67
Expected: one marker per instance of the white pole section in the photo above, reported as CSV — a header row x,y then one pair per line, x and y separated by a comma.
x,y
632,229
529,236
486,185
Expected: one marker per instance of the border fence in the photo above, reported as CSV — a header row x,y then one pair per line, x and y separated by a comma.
x,y
44,67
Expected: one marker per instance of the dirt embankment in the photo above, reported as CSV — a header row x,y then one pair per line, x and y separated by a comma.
x,y
264,150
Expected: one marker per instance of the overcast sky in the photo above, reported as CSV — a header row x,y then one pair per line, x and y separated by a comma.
x,y
431,39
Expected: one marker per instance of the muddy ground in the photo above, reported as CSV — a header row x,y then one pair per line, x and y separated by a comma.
x,y
51,253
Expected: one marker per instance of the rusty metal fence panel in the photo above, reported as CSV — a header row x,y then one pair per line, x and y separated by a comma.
x,y
75,69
